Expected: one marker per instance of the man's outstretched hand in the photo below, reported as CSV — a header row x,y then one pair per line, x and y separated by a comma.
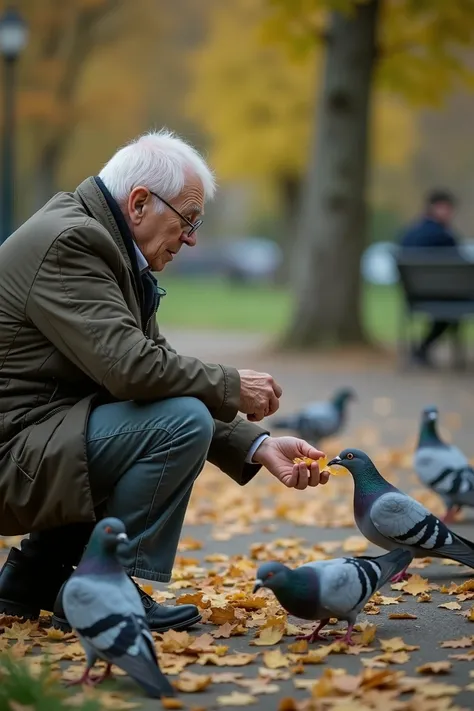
x,y
277,454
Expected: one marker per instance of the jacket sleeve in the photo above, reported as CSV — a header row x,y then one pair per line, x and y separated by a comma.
x,y
230,446
77,303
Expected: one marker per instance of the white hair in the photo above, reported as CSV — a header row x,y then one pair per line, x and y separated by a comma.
x,y
161,162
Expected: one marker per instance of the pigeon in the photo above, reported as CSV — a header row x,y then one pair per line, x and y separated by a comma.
x,y
103,606
330,588
443,467
391,519
318,420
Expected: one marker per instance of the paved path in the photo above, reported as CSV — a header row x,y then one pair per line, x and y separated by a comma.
x,y
232,521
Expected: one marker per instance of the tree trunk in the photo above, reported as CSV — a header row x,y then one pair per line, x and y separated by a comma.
x,y
331,235
290,190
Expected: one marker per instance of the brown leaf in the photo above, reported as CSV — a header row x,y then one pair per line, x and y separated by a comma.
x,y
402,616
298,647
175,642
224,631
434,668
258,686
287,704
170,702
435,691
468,614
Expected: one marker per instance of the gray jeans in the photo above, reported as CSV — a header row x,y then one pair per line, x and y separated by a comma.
x,y
143,461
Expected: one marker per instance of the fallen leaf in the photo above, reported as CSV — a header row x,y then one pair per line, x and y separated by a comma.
x,y
424,597
298,647
435,691
258,686
190,683
236,698
402,616
434,668
396,644
416,585
451,605
457,643
170,702
468,614
274,659
269,636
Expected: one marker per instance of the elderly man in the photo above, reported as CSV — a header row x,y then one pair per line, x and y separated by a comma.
x,y
98,413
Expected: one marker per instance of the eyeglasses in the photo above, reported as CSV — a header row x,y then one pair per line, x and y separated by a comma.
x,y
192,225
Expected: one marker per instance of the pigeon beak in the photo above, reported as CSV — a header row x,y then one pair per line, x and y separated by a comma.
x,y
432,416
336,460
258,585
122,538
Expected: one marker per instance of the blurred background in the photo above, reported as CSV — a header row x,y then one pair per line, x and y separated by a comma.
x,y
249,83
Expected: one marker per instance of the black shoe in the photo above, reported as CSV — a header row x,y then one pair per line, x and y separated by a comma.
x,y
26,586
160,618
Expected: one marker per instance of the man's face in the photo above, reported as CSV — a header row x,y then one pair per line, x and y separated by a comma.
x,y
442,212
160,235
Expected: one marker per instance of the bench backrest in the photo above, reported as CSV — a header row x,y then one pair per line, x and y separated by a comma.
x,y
435,276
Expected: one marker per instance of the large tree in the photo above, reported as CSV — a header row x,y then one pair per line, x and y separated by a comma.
x,y
411,46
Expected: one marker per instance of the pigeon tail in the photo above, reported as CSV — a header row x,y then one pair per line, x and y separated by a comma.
x,y
393,563
464,555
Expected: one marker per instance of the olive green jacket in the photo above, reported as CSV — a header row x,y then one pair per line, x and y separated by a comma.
x,y
71,336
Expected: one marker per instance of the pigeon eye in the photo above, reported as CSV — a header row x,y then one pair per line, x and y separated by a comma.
x,y
107,529
269,575
350,455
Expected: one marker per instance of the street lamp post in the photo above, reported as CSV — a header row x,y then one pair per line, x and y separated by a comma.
x,y
13,38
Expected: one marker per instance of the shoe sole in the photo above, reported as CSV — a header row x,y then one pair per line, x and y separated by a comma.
x,y
64,626
16,609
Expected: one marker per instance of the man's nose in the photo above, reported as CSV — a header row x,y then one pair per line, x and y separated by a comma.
x,y
190,240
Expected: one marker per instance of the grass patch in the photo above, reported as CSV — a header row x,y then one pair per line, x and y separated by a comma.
x,y
21,689
215,304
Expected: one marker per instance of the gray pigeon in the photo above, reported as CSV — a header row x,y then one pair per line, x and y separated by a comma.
x,y
391,519
103,606
330,588
443,467
318,420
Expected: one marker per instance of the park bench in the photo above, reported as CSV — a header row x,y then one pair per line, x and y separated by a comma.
x,y
440,284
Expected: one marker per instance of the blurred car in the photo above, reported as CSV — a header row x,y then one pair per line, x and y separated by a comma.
x,y
251,259
379,265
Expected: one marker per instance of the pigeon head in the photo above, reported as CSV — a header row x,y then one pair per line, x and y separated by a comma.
x,y
272,575
342,396
428,433
357,462
107,536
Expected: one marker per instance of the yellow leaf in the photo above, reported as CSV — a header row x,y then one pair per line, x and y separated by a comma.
x,y
236,698
402,616
435,668
416,585
189,682
269,635
457,643
274,659
170,702
396,644
451,605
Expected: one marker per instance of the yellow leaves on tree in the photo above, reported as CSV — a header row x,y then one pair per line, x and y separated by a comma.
x,y
255,97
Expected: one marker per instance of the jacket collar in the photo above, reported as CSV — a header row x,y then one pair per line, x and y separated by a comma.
x,y
108,214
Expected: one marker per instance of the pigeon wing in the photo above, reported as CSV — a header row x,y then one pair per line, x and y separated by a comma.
x,y
404,520
445,469
348,584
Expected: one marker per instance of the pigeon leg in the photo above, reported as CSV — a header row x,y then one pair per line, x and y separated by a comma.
x,y
450,514
84,679
401,576
348,636
106,675
314,635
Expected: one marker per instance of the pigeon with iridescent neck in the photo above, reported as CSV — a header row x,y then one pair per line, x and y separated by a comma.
x,y
318,420
330,588
391,519
443,467
104,608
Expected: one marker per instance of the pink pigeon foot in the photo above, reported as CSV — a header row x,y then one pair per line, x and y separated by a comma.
x,y
314,635
400,577
347,639
450,515
88,680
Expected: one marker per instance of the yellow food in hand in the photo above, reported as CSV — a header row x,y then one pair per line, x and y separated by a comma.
x,y
323,465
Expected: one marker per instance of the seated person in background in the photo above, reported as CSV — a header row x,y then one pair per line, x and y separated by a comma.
x,y
432,230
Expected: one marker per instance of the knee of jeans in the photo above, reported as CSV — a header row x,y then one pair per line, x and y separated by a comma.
x,y
199,421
